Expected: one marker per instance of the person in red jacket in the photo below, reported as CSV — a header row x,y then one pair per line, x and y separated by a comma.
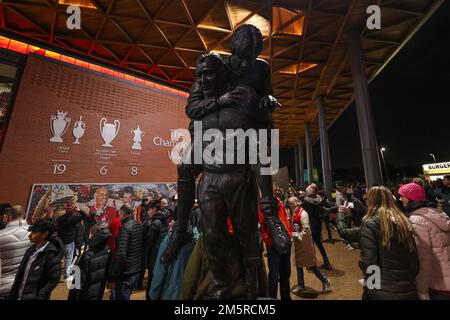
x,y
114,228
279,264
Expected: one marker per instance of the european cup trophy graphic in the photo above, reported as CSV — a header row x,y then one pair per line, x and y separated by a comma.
x,y
58,126
109,131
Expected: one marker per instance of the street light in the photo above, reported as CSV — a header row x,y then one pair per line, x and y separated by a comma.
x,y
434,157
384,164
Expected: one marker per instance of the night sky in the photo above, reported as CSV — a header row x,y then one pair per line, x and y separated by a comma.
x,y
410,103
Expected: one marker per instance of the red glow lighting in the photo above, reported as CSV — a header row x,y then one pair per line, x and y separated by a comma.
x,y
25,48
4,42
17,46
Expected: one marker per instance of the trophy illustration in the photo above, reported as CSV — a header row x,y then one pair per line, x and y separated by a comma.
x,y
109,131
78,130
137,138
58,125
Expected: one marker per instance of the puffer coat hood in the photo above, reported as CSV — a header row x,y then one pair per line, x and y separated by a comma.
x,y
99,240
432,230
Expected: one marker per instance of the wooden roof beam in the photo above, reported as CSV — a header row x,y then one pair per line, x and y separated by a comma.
x,y
395,43
102,24
409,12
331,54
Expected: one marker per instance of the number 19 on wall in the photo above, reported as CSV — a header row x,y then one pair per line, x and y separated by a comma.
x,y
59,168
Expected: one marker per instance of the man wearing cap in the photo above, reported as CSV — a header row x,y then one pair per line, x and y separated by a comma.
x,y
340,194
40,268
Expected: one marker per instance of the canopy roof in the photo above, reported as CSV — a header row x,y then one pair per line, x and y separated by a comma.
x,y
304,41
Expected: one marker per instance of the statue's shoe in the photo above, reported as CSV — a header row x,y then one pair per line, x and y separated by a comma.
x,y
281,240
177,242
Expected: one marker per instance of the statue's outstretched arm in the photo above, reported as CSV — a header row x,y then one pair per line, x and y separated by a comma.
x,y
198,105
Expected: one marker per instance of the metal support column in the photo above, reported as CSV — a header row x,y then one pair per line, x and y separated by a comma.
x,y
366,126
309,155
301,164
297,174
324,148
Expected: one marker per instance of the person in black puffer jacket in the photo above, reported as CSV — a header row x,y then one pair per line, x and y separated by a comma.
x,y
94,267
40,269
387,242
66,224
155,229
357,209
312,204
127,262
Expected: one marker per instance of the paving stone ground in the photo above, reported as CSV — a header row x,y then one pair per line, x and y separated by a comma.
x,y
344,277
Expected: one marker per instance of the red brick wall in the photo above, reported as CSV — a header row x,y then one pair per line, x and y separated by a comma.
x,y
29,157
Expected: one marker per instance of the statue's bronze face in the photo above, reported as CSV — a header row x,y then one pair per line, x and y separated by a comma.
x,y
243,60
208,76
246,44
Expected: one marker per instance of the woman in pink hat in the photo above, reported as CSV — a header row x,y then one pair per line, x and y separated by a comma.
x,y
432,230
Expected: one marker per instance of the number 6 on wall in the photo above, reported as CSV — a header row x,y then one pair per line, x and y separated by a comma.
x,y
103,171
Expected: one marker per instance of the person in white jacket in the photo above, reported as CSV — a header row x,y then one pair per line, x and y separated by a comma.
x,y
14,242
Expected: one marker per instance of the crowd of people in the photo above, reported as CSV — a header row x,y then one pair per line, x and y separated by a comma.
x,y
403,232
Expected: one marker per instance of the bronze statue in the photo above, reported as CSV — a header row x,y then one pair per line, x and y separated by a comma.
x,y
231,94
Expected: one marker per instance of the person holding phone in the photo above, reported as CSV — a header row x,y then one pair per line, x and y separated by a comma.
x,y
346,233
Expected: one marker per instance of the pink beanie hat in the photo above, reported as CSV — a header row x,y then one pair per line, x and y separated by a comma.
x,y
413,192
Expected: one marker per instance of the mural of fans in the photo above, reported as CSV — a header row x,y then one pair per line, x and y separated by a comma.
x,y
101,200
102,209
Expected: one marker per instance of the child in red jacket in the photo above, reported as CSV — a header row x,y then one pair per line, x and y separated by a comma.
x,y
279,264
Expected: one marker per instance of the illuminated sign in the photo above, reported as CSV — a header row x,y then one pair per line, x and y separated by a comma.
x,y
25,48
436,168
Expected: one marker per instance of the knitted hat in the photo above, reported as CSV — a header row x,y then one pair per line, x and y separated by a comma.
x,y
413,192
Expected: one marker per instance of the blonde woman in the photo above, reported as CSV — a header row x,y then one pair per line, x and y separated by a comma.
x,y
387,246
305,255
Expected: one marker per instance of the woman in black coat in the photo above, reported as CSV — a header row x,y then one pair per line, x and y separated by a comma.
x,y
387,244
94,267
